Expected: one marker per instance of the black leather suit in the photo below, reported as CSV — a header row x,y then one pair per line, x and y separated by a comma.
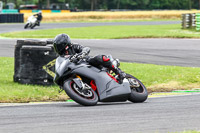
x,y
39,18
97,61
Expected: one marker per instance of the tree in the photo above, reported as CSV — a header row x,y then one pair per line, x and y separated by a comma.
x,y
189,4
199,4
155,4
92,5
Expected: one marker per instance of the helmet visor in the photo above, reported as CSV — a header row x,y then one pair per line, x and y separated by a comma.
x,y
59,48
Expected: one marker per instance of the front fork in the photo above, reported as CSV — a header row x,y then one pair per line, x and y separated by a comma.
x,y
78,81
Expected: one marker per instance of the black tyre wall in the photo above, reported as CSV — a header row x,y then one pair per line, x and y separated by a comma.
x,y
30,57
12,18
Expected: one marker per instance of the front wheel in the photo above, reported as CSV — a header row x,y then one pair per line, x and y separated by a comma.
x,y
26,26
138,90
87,97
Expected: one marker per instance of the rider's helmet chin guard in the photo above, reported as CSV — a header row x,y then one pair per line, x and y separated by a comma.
x,y
60,43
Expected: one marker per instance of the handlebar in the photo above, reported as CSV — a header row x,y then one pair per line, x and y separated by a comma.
x,y
77,58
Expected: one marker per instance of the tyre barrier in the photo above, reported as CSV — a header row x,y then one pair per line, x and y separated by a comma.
x,y
33,62
12,18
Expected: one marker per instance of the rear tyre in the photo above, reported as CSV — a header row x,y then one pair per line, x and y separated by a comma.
x,y
33,26
86,98
26,26
138,94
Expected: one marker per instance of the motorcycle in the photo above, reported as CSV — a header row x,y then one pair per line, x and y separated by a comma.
x,y
31,22
88,85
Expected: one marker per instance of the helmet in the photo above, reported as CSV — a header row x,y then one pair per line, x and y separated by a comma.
x,y
60,42
40,12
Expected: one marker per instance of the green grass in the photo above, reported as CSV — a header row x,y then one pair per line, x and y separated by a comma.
x,y
111,32
155,78
164,78
14,92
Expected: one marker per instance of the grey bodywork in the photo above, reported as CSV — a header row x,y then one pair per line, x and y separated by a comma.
x,y
107,88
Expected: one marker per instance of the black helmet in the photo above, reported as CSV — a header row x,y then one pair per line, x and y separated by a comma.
x,y
60,42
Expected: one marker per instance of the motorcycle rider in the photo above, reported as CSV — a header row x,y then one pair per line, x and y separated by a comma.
x,y
39,17
63,47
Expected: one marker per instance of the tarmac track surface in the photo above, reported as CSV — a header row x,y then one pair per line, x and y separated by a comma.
x,y
156,115
20,27
178,52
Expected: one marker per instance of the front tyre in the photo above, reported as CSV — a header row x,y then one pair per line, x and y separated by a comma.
x,y
138,90
86,98
26,26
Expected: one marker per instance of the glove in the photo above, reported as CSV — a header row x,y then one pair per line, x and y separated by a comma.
x,y
73,58
81,55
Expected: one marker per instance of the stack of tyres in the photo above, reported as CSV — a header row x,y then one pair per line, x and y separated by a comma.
x,y
17,55
3,18
21,18
9,18
197,21
31,59
12,18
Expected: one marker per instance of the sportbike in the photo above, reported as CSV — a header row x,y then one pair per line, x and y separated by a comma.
x,y
31,22
88,85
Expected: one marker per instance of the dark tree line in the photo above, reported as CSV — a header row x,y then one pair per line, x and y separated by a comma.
x,y
117,4
137,4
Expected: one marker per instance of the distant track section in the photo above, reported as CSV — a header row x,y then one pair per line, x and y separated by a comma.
x,y
20,27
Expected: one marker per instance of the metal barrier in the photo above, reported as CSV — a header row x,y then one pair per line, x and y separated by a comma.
x,y
34,62
44,11
10,11
12,18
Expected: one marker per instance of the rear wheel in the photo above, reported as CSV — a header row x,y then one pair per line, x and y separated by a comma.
x,y
33,26
87,97
138,90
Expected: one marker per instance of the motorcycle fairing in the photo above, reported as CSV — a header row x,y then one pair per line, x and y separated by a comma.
x,y
108,89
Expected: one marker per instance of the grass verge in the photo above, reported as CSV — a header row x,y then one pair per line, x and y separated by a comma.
x,y
155,77
14,92
111,32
